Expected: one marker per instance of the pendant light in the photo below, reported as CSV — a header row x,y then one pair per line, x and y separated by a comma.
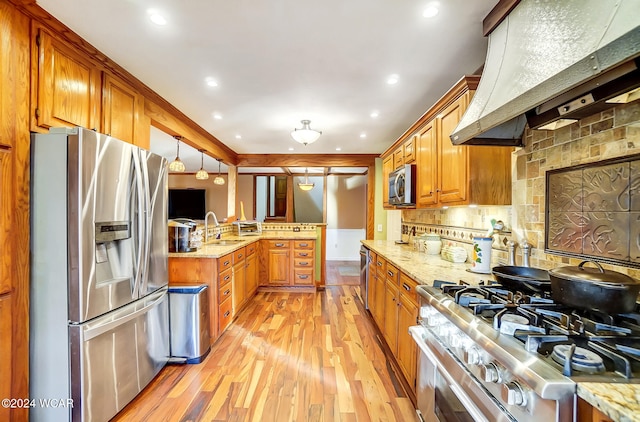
x,y
305,135
177,165
202,173
306,186
219,180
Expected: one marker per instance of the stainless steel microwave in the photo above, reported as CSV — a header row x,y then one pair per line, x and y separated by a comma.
x,y
402,185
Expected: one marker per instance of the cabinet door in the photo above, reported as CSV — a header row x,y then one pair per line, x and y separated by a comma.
x,y
6,209
279,266
121,106
6,344
251,275
387,168
377,306
410,150
427,168
391,315
453,164
238,291
398,157
67,85
407,348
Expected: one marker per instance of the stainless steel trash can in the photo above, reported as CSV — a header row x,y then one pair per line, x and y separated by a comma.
x,y
189,323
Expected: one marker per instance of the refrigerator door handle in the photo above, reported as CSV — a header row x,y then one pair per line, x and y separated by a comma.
x,y
146,217
141,251
107,326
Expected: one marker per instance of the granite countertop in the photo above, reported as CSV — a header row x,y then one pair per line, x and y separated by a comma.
x,y
211,250
422,267
619,401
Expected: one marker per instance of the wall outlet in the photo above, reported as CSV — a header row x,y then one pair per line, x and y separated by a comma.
x,y
380,227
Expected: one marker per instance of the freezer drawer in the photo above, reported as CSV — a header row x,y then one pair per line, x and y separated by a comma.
x,y
115,356
189,323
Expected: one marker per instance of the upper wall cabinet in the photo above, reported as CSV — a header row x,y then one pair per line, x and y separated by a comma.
x,y
121,109
65,85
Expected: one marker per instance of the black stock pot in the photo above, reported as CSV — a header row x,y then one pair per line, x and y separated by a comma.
x,y
594,288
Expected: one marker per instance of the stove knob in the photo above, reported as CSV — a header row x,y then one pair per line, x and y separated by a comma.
x,y
491,373
472,355
513,394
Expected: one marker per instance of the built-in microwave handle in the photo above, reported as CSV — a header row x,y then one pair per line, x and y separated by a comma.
x,y
395,186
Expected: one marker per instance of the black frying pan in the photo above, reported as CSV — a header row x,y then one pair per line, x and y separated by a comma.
x,y
527,279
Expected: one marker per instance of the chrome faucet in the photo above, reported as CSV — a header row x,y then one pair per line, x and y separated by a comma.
x,y
206,225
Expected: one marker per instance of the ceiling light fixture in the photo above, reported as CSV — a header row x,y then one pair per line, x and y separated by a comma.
x,y
306,186
177,165
157,18
219,180
305,135
430,12
211,82
202,173
393,79
374,114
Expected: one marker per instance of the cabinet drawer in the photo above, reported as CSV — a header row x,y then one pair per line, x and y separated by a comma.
x,y
279,244
303,276
304,253
239,255
225,262
224,292
408,288
392,273
303,244
225,314
224,277
251,249
381,267
303,262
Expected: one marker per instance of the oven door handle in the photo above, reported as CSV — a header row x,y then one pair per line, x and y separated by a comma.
x,y
468,404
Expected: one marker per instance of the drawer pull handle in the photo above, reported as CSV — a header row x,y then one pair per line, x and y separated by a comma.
x,y
303,277
406,287
304,245
390,273
303,254
226,277
226,263
279,245
226,292
226,314
379,264
303,263
239,256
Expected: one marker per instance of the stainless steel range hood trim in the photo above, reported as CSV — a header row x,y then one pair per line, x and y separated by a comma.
x,y
495,115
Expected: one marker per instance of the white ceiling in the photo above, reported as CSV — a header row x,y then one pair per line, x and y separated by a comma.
x,y
278,62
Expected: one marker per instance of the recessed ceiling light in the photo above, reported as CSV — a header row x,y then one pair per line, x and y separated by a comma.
x,y
338,149
392,79
430,11
211,82
156,17
374,114
217,116
238,136
290,148
363,135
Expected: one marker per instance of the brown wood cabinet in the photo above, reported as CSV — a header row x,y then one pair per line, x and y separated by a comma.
x,y
304,262
122,106
387,168
278,262
239,280
390,326
65,84
588,413
410,150
407,352
378,289
459,175
251,270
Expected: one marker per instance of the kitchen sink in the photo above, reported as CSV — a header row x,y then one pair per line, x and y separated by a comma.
x,y
225,241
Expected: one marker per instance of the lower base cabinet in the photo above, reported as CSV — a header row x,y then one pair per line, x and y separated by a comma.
x,y
287,263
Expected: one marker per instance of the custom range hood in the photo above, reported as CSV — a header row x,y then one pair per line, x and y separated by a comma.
x,y
550,63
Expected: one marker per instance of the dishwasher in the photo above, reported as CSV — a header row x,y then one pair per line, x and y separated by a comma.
x,y
364,275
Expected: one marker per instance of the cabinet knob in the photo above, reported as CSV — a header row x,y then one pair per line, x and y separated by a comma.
x,y
226,314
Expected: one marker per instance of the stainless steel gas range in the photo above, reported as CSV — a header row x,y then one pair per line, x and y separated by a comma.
x,y
490,354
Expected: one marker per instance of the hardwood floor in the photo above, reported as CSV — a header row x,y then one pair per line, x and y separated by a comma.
x,y
287,357
340,273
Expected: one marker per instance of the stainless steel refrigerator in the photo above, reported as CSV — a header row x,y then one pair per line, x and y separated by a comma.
x,y
99,328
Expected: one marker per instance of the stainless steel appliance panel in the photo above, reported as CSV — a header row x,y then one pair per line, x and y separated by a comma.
x,y
103,187
365,258
156,267
115,356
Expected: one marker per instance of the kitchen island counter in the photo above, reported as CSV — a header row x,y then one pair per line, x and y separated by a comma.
x,y
212,250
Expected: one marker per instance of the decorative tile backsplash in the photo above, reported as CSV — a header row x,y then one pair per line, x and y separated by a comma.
x,y
609,134
590,210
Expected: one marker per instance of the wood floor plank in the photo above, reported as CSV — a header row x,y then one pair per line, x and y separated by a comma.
x,y
286,357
